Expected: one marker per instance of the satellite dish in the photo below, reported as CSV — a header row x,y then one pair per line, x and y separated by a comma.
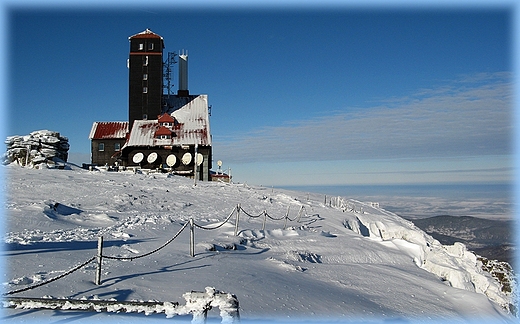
x,y
199,159
171,160
152,157
219,163
138,158
186,158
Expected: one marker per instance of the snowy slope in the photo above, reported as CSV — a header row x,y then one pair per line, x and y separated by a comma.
x,y
357,262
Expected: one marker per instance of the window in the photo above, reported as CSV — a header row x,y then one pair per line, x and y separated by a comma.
x,y
145,116
141,46
145,76
150,46
101,147
145,61
145,89
117,147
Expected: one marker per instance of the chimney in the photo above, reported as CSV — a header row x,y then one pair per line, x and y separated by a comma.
x,y
183,75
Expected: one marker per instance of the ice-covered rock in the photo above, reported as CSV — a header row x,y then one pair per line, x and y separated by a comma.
x,y
39,148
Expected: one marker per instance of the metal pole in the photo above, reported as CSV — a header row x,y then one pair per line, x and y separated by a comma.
x,y
192,238
286,216
265,218
99,260
236,220
300,214
195,166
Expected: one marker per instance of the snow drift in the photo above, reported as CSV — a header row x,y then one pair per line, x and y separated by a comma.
x,y
353,260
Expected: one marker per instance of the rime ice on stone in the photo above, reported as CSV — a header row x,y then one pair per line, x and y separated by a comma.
x,y
38,147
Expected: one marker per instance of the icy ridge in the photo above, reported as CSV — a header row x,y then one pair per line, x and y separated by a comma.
x,y
454,264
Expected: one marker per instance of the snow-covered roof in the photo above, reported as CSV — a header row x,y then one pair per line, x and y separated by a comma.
x,y
145,34
192,126
108,130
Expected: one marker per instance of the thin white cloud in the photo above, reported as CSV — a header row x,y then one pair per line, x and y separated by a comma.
x,y
470,116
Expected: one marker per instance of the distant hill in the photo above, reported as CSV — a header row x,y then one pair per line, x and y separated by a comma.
x,y
492,239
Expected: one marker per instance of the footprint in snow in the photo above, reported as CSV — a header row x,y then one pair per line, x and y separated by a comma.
x,y
129,249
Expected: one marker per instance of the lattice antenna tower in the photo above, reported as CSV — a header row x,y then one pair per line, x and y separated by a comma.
x,y
168,72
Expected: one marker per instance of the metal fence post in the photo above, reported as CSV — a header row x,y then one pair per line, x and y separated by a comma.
x,y
286,217
192,238
300,214
237,219
99,260
265,219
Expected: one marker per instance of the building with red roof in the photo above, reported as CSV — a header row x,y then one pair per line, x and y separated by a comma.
x,y
169,132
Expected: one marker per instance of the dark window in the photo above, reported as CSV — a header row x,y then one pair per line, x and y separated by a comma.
x,y
117,147
101,147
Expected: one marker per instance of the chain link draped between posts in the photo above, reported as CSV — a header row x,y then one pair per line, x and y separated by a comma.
x,y
192,225
148,253
50,280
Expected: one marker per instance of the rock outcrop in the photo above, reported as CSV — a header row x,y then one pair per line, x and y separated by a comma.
x,y
38,147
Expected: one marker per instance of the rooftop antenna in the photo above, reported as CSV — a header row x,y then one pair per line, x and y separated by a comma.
x,y
168,71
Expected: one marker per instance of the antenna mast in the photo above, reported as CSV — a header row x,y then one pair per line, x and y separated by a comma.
x,y
168,71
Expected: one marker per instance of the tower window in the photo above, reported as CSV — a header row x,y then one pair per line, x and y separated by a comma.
x,y
141,46
150,46
145,89
101,147
145,61
145,76
145,116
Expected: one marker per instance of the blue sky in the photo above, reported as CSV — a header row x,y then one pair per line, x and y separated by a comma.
x,y
333,94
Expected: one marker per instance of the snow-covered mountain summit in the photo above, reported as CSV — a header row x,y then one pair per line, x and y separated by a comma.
x,y
348,260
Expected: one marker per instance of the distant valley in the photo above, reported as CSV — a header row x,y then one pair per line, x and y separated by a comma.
x,y
492,239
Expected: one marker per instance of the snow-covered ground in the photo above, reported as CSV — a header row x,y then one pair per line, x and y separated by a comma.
x,y
356,263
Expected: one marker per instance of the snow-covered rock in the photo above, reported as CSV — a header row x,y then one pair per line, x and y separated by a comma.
x,y
37,149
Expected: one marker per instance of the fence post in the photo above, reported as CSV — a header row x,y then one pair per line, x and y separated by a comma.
x,y
192,238
286,216
265,218
236,220
99,260
300,214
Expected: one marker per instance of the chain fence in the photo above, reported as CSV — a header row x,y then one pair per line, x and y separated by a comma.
x,y
236,210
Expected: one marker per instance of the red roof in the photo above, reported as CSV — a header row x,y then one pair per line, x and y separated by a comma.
x,y
166,118
163,131
145,34
109,130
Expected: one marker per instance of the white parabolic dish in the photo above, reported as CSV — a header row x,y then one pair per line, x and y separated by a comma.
x,y
152,157
199,159
138,157
186,158
171,160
